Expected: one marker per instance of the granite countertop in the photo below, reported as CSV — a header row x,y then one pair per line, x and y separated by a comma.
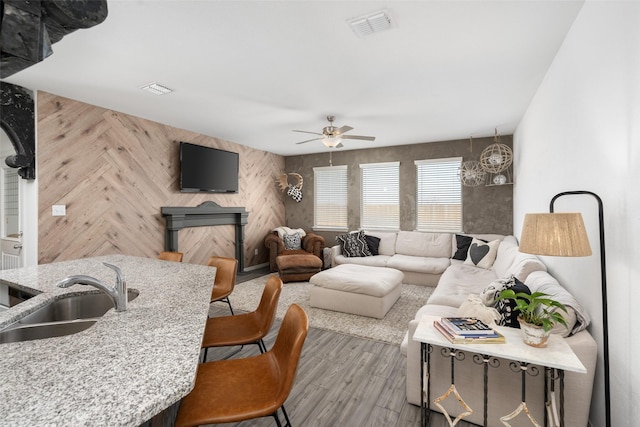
x,y
123,370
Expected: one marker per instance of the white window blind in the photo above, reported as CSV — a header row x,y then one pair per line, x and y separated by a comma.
x,y
380,196
439,195
330,197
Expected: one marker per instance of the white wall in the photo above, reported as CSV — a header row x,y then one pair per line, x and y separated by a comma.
x,y
582,132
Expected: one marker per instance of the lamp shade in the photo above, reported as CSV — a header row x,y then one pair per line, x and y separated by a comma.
x,y
554,234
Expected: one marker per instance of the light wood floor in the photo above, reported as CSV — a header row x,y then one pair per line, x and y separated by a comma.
x,y
342,381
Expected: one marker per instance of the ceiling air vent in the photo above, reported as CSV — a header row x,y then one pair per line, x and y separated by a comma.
x,y
156,89
371,23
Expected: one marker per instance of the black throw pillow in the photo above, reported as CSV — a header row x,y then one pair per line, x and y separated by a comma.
x,y
509,316
353,244
462,244
373,243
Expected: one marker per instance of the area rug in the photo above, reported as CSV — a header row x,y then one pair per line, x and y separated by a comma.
x,y
390,329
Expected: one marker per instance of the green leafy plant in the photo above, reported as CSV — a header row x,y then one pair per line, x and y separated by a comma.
x,y
537,308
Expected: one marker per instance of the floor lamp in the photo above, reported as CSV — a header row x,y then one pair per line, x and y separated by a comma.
x,y
563,234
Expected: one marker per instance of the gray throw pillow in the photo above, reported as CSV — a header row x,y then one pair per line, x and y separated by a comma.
x,y
292,241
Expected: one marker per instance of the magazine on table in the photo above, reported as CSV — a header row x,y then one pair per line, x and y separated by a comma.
x,y
493,338
467,326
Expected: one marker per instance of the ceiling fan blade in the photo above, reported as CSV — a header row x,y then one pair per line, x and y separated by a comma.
x,y
364,138
306,131
308,140
344,129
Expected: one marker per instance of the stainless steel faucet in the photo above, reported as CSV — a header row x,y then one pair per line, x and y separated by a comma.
x,y
118,293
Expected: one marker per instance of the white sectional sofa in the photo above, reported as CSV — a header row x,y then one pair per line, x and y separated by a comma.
x,y
426,259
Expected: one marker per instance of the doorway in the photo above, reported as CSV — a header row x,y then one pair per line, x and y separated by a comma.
x,y
11,245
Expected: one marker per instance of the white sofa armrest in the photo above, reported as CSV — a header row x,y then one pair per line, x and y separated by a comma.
x,y
335,251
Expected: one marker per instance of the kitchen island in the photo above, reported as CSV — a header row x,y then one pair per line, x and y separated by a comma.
x,y
127,367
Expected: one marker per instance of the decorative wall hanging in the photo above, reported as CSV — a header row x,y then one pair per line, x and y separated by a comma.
x,y
493,168
471,173
294,191
496,160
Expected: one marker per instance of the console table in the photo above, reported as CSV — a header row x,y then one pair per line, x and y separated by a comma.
x,y
555,358
205,214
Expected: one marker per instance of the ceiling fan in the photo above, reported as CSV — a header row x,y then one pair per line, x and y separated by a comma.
x,y
332,136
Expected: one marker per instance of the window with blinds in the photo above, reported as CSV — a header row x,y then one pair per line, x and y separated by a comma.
x,y
380,196
330,198
439,195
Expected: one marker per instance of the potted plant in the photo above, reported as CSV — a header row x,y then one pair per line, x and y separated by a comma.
x,y
537,315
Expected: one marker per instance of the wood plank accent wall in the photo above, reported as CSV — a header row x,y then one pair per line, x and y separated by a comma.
x,y
114,172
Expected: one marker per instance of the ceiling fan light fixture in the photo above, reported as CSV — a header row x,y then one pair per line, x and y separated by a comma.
x,y
331,141
371,23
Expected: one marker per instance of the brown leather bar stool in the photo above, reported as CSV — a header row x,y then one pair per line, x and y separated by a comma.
x,y
246,328
227,269
235,390
170,256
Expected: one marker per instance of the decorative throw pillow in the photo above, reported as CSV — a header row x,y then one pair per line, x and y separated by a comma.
x,y
482,254
488,294
373,243
353,244
292,241
508,316
462,246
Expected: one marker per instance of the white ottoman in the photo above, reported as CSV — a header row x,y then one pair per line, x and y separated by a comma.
x,y
356,289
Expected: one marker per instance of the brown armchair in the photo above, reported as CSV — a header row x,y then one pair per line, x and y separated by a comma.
x,y
311,244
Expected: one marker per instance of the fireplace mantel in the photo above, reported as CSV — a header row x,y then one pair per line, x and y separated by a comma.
x,y
204,215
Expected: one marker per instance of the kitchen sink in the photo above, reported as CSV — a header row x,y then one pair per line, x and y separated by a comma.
x,y
63,316
44,330
74,307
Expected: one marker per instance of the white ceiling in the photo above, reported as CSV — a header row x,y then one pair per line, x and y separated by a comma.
x,y
251,71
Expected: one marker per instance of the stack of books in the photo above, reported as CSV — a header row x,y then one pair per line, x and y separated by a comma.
x,y
467,330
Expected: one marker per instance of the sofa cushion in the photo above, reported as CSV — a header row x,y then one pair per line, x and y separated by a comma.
x,y
373,261
511,262
482,254
576,316
416,243
418,264
387,242
353,244
458,281
507,251
523,265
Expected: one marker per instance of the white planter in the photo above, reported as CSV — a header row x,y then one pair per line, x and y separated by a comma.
x,y
533,335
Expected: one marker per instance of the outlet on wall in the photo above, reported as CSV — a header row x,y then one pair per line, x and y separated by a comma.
x,y
256,251
58,210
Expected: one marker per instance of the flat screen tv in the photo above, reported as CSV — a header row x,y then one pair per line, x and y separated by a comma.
x,y
206,169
